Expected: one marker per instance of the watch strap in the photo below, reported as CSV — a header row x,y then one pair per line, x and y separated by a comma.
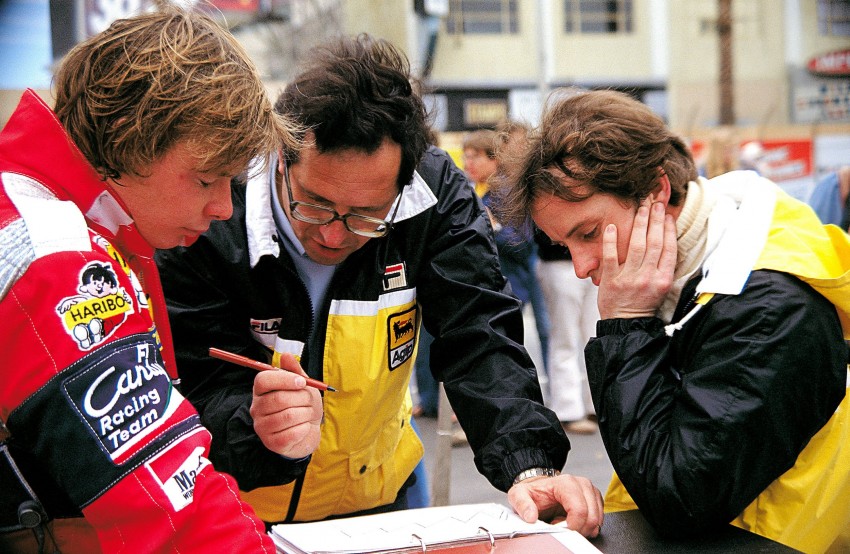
x,y
536,472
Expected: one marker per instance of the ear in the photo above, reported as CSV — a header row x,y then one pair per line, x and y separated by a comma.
x,y
280,161
661,193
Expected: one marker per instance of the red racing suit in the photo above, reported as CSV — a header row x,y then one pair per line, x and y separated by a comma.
x,y
95,427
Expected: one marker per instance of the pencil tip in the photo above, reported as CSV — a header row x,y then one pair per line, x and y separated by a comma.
x,y
331,389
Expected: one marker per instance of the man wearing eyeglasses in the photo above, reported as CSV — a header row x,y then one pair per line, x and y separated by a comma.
x,y
332,260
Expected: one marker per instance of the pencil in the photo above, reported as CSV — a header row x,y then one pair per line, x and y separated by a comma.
x,y
260,366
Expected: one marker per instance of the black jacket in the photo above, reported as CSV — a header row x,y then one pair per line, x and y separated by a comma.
x,y
450,258
697,425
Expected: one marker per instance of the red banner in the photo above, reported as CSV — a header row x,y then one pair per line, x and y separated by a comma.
x,y
836,63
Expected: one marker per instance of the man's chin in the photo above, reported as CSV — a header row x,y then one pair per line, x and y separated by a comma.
x,y
188,241
323,260
325,256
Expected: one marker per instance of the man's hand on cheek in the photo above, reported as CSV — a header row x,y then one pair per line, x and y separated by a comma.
x,y
637,287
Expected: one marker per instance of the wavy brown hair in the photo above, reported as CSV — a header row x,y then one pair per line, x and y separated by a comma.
x,y
130,93
592,142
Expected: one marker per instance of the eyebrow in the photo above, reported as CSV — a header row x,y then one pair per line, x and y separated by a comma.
x,y
355,209
322,200
575,229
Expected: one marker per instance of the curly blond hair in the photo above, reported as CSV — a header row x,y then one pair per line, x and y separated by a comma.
x,y
130,93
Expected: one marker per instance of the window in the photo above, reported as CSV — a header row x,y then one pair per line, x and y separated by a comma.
x,y
482,16
834,17
598,16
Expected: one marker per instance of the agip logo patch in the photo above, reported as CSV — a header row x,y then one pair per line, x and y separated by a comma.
x,y
101,306
401,337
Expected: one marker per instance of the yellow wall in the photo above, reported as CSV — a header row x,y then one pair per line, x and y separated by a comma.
x,y
382,18
480,58
758,60
813,42
595,56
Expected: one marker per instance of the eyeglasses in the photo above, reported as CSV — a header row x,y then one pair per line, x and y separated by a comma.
x,y
362,225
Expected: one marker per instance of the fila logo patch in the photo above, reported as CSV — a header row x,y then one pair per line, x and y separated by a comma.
x,y
395,277
265,331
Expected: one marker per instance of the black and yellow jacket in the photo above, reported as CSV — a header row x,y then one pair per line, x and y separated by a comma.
x,y
438,265
737,412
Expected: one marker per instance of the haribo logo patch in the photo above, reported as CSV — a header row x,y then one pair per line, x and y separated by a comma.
x,y
101,306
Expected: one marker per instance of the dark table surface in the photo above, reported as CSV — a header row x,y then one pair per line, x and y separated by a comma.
x,y
627,532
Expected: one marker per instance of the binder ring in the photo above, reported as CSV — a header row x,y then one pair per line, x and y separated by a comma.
x,y
421,542
489,535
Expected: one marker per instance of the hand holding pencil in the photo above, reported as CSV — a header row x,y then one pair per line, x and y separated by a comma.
x,y
286,406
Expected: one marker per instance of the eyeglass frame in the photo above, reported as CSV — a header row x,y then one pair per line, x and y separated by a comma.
x,y
293,210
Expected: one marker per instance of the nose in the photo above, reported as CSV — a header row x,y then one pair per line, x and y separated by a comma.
x,y
220,205
583,264
334,233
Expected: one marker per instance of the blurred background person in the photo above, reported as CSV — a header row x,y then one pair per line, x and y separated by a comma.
x,y
751,157
427,388
513,135
517,252
722,155
571,305
830,198
564,305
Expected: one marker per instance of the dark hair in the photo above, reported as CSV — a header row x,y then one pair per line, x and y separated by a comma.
x,y
352,94
605,141
98,271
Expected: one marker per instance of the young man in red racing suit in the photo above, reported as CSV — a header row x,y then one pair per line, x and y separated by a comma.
x,y
99,451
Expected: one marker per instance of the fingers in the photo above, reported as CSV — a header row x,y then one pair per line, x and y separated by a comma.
x,y
638,239
610,258
583,505
520,499
667,262
278,391
595,514
289,363
286,413
554,497
655,235
270,381
637,287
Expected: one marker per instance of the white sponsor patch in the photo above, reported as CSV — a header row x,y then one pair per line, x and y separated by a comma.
x,y
265,331
178,483
395,277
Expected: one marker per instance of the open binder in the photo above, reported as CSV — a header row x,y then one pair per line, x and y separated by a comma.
x,y
464,528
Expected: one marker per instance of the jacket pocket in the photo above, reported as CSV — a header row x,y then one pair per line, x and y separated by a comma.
x,y
379,470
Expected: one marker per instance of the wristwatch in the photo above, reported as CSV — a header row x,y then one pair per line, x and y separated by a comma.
x,y
536,472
